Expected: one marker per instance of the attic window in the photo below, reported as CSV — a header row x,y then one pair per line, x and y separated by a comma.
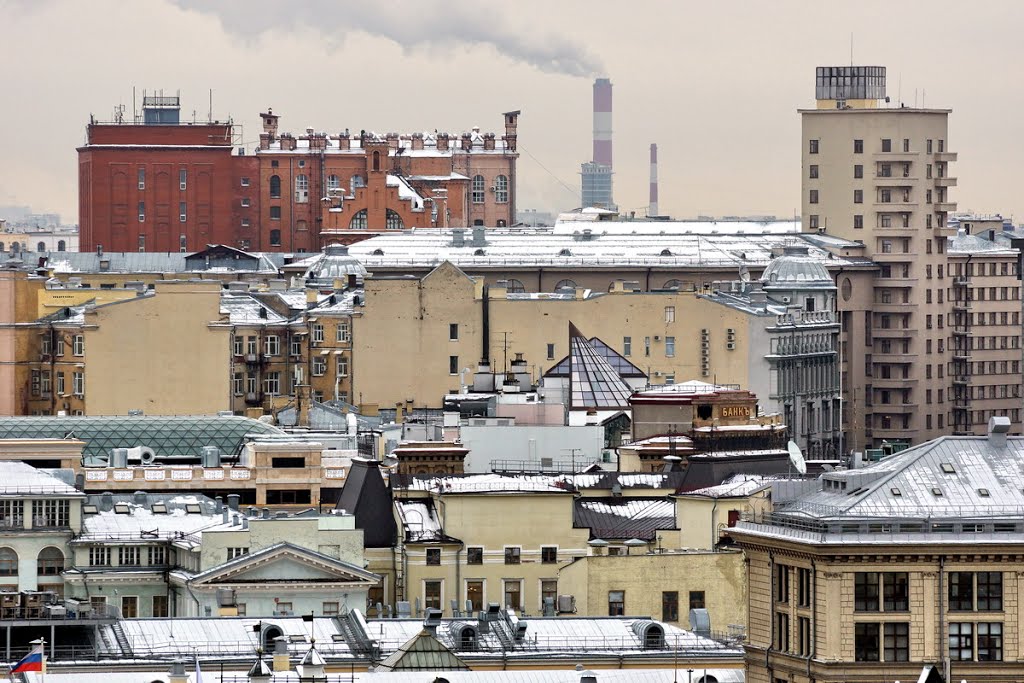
x,y
936,491
565,252
666,252
122,509
947,468
159,508
983,493
194,508
90,509
479,252
378,252
895,492
297,638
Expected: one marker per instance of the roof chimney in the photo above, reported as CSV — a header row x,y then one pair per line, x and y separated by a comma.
x,y
998,427
652,207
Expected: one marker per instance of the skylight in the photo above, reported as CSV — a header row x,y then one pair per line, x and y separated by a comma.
x,y
896,492
948,468
90,509
983,493
122,509
194,508
936,491
159,508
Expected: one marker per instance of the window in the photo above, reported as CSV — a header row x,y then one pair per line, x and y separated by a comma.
x,y
453,331
990,642
160,606
272,345
814,221
376,161
670,314
8,562
961,642
813,172
477,190
858,171
670,606
896,646
393,221
318,333
129,606
142,243
858,196
78,383
782,632
865,592
895,591
781,583
813,197
990,591
182,179
129,556
342,369
647,346
50,562
275,238
858,146
244,182
886,145
99,556
359,221
272,383
295,347
813,146
12,513
514,595
156,555
434,557
330,609
627,346
551,352
475,594
237,552
501,189
78,345
182,211
549,554
961,591
319,366
803,586
333,182
858,221
60,383
670,347
803,633
549,592
865,643
275,215
50,513
513,555
474,555
697,600
142,213
302,188
616,603
246,203
275,187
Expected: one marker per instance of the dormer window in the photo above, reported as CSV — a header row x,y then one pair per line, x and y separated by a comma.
x,y
122,509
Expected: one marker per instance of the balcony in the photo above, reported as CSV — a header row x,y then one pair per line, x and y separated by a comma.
x,y
893,333
893,382
945,182
894,256
896,207
946,207
895,157
892,307
894,357
895,281
945,156
253,399
895,408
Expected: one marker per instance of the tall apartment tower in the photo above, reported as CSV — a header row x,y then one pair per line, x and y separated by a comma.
x,y
878,173
597,173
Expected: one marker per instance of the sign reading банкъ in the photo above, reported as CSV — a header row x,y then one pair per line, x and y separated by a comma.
x,y
734,411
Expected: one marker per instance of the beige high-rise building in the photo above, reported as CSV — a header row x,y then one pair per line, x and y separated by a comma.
x,y
879,173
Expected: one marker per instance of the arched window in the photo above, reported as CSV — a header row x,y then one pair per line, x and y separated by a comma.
x,y
61,246
358,221
355,182
565,284
477,194
501,189
8,562
515,286
50,562
333,182
666,252
302,188
15,247
275,238
269,634
275,187
376,160
41,246
673,284
394,221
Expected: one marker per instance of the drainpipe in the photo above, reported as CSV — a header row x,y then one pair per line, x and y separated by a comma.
x,y
814,616
485,351
771,613
941,604
714,527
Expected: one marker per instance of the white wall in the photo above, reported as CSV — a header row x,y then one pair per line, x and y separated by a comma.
x,y
487,443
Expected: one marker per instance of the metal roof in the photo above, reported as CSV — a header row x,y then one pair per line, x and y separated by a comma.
x,y
625,368
166,435
624,518
20,479
593,382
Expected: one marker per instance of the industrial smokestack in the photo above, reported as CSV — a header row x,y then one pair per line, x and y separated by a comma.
x,y
652,208
603,121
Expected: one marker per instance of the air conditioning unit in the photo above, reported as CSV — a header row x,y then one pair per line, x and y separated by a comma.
x,y
657,338
731,346
785,299
567,604
705,372
705,344
705,333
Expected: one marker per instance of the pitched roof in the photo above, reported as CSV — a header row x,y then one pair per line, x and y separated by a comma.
x,y
593,382
239,564
422,652
614,518
367,497
625,368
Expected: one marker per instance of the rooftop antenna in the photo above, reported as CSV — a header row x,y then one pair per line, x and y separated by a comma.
x,y
209,118
851,48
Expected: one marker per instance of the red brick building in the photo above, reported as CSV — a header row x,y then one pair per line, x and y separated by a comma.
x,y
162,185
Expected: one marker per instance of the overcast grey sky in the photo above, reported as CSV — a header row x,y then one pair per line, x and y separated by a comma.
x,y
716,85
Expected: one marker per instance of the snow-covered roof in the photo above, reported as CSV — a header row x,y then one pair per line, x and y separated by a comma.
x,y
20,479
736,486
177,516
243,309
406,191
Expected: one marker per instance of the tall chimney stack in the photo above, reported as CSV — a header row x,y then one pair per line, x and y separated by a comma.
x,y
652,208
603,121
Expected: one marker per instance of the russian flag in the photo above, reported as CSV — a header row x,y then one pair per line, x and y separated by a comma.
x,y
33,661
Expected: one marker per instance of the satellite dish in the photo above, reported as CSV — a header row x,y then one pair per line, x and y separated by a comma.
x,y
796,457
744,273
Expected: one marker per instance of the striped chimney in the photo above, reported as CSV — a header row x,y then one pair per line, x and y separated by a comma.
x,y
652,208
603,121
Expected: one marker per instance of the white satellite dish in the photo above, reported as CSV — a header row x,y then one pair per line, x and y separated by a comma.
x,y
796,457
744,273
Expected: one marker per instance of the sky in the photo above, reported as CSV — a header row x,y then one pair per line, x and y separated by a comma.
x,y
715,85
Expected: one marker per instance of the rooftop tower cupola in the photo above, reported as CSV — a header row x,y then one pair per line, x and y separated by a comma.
x,y
160,109
850,87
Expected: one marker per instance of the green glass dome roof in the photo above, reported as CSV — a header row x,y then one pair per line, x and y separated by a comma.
x,y
166,435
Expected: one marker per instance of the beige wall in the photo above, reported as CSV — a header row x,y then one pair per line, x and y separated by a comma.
x,y
702,520
176,365
18,294
645,578
334,536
